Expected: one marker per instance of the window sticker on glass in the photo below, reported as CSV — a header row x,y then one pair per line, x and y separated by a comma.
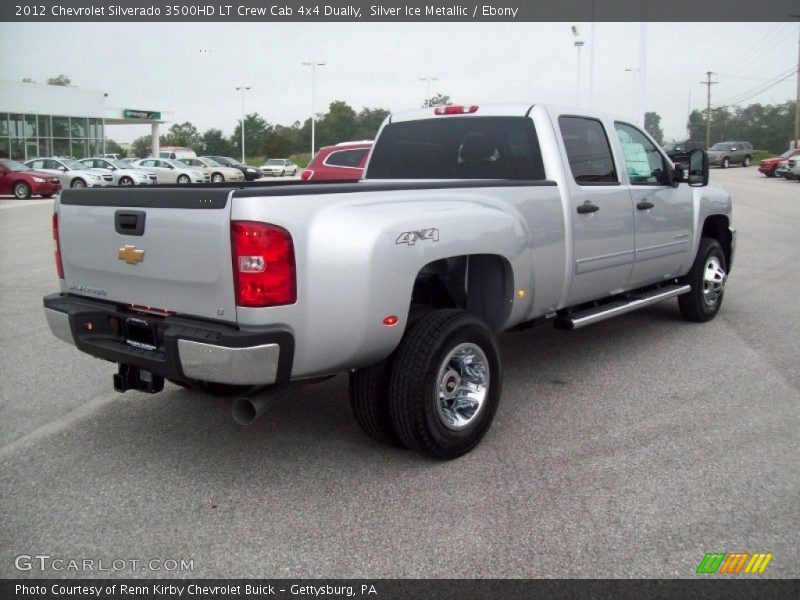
x,y
636,159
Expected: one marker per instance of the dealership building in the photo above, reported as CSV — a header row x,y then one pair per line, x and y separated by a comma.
x,y
51,120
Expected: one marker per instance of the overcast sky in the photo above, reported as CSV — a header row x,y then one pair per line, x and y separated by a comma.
x,y
191,69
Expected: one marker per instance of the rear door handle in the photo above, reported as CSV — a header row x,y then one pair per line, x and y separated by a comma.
x,y
644,205
587,207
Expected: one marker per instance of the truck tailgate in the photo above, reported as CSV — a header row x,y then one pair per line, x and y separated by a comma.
x,y
164,248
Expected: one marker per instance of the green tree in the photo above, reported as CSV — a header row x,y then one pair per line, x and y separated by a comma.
x,y
437,100
141,146
113,147
214,143
369,121
255,130
27,80
652,125
61,80
276,145
182,134
336,125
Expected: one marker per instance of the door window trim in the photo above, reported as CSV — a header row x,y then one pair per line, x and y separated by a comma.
x,y
658,149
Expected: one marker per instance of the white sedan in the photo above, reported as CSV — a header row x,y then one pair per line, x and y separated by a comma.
x,y
217,171
121,172
279,167
72,173
169,170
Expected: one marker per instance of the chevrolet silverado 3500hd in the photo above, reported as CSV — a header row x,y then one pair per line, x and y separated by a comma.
x,y
470,220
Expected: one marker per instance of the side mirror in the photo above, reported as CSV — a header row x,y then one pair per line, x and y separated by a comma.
x,y
698,168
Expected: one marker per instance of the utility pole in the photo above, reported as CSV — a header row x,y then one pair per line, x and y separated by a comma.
x,y
708,83
242,88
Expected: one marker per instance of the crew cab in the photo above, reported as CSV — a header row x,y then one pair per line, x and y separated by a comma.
x,y
470,221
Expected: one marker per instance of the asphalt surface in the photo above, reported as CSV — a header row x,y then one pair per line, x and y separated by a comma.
x,y
626,449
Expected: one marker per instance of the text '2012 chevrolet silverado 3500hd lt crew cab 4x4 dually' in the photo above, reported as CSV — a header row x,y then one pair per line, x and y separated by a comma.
x,y
470,220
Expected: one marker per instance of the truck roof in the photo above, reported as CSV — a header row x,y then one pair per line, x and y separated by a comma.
x,y
502,110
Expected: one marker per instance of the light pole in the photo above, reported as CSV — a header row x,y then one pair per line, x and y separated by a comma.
x,y
428,80
578,43
633,71
242,88
313,64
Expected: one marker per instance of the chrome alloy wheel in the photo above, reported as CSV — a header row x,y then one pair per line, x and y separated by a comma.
x,y
714,278
462,386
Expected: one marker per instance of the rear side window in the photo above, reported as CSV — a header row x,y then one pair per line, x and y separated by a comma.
x,y
458,148
588,150
346,158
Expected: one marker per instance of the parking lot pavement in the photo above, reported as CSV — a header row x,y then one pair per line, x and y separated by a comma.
x,y
626,449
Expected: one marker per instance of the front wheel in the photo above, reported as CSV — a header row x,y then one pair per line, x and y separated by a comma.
x,y
445,384
707,279
78,183
183,180
746,161
726,162
22,191
217,178
126,181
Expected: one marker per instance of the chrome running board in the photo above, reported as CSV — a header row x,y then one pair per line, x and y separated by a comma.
x,y
620,307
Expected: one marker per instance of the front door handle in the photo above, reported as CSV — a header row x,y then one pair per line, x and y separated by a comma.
x,y
587,207
645,205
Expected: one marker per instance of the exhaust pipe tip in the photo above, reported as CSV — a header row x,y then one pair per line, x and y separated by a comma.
x,y
244,411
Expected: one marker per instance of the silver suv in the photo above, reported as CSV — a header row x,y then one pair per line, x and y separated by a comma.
x,y
724,154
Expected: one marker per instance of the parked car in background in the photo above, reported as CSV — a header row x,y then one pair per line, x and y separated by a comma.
x,y
172,171
250,173
343,161
793,166
176,152
24,182
215,170
112,156
678,152
782,170
121,172
72,173
725,154
279,167
769,166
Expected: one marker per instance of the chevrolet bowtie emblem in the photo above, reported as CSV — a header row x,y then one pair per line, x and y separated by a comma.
x,y
131,255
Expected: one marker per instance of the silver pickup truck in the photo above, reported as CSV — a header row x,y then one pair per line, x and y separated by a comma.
x,y
470,220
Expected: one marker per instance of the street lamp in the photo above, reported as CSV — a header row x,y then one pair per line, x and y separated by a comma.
x,y
242,88
578,44
313,64
633,71
428,80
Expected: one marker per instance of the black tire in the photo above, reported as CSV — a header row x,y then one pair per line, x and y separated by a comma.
x,y
414,383
77,183
184,180
125,181
695,306
22,191
746,161
369,393
726,162
217,178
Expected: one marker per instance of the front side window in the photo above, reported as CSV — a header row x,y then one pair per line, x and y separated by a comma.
x,y
642,159
588,150
458,148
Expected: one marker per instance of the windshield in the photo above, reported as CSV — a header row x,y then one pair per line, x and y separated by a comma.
x,y
13,165
721,147
275,161
458,148
210,162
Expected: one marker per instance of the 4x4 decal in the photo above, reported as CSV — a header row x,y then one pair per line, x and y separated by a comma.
x,y
412,237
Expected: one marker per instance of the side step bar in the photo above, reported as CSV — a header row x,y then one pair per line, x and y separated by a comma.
x,y
613,309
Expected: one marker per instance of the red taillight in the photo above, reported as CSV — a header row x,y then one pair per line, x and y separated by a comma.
x,y
59,264
455,110
307,174
263,264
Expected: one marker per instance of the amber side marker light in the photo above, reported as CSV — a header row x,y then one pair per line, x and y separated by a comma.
x,y
390,321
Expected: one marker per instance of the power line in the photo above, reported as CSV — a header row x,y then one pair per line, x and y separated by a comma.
x,y
768,42
756,91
